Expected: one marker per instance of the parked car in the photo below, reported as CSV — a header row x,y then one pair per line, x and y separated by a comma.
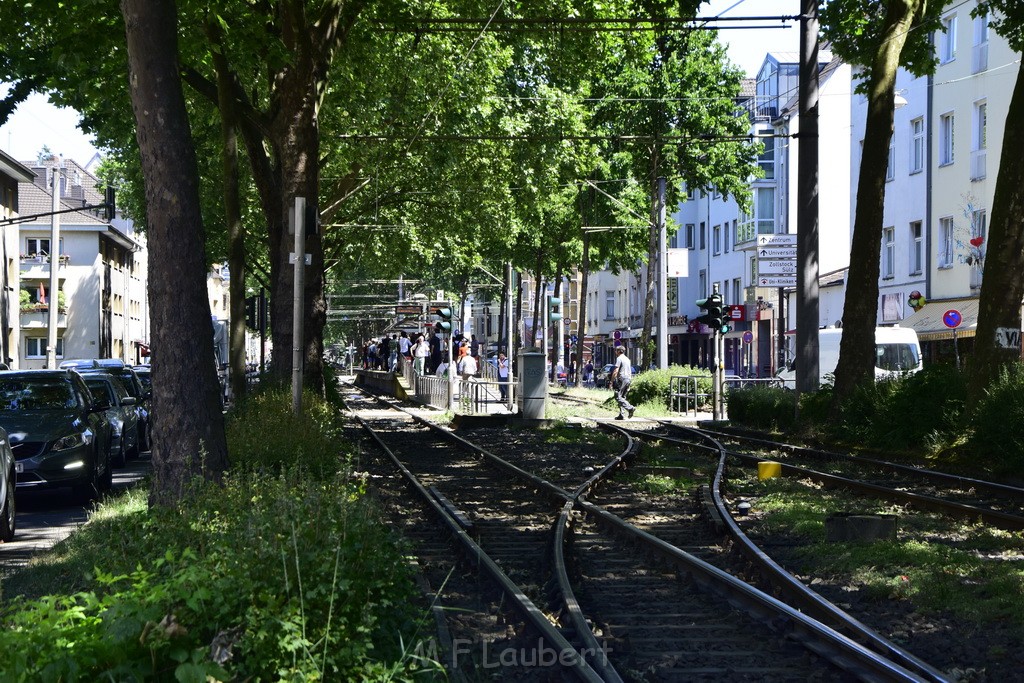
x,y
78,364
121,413
59,437
8,479
602,378
142,396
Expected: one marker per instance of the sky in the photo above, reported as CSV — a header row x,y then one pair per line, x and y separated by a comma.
x,y
37,123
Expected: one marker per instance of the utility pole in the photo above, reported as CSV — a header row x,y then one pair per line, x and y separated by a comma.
x,y
662,278
54,255
299,229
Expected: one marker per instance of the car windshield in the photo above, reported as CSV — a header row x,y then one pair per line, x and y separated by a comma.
x,y
17,394
896,357
145,380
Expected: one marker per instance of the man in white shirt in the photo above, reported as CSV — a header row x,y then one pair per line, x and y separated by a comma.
x,y
622,375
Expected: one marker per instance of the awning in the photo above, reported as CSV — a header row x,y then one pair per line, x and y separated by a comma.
x,y
929,325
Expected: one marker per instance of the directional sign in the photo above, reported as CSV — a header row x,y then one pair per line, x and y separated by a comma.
x,y
784,240
952,318
782,267
776,281
776,252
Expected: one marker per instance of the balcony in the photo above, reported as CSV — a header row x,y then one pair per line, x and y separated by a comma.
x,y
37,316
37,266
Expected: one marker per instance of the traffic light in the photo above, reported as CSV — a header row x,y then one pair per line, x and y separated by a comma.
x,y
713,317
554,309
444,325
108,204
251,315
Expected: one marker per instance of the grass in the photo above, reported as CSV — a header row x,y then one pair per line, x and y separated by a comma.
x,y
287,567
972,571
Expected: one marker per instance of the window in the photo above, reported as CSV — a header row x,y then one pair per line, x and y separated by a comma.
x,y
945,139
609,305
702,284
946,242
888,253
728,236
766,160
35,347
716,239
979,140
737,291
916,248
689,235
979,53
976,255
703,237
765,208
917,145
947,39
890,167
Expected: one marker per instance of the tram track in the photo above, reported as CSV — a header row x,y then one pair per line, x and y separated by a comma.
x,y
606,571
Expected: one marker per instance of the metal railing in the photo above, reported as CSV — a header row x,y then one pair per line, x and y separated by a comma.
x,y
479,396
685,394
431,390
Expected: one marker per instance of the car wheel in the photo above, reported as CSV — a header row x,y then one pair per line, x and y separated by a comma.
x,y
7,519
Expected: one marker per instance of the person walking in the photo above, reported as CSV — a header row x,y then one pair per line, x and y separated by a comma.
x,y
503,376
420,351
622,375
467,369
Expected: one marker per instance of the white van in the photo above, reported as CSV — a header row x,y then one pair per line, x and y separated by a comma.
x,y
897,351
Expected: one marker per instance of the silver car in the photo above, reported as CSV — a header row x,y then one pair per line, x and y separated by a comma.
x,y
8,481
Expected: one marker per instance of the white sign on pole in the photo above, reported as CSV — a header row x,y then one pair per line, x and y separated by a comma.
x,y
678,262
776,281
783,267
776,252
783,240
1008,338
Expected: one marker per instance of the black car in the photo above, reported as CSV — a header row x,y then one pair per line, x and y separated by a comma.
x,y
58,435
121,413
135,388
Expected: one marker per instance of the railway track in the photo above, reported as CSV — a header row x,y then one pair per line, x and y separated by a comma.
x,y
615,601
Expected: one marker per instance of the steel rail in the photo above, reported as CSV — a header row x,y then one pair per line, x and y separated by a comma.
x,y
932,475
575,661
808,600
996,518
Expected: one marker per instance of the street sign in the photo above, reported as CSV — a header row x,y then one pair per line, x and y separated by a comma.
x,y
737,312
408,309
952,318
784,240
782,267
776,252
748,337
617,335
776,281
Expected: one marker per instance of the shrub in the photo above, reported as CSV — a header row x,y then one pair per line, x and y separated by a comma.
x,y
762,407
652,386
997,441
294,579
311,440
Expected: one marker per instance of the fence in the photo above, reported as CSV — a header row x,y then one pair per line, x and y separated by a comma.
x,y
685,394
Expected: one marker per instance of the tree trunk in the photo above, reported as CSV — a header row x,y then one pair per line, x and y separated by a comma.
x,y
232,218
860,310
189,435
1002,288
581,325
654,232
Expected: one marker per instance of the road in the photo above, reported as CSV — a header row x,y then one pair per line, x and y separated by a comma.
x,y
46,517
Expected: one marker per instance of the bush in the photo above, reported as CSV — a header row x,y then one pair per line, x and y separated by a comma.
x,y
652,386
761,407
997,441
311,440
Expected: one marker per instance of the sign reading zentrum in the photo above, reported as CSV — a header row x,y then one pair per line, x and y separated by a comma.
x,y
776,260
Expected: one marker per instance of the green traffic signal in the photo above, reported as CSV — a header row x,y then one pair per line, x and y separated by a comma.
x,y
554,309
444,325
